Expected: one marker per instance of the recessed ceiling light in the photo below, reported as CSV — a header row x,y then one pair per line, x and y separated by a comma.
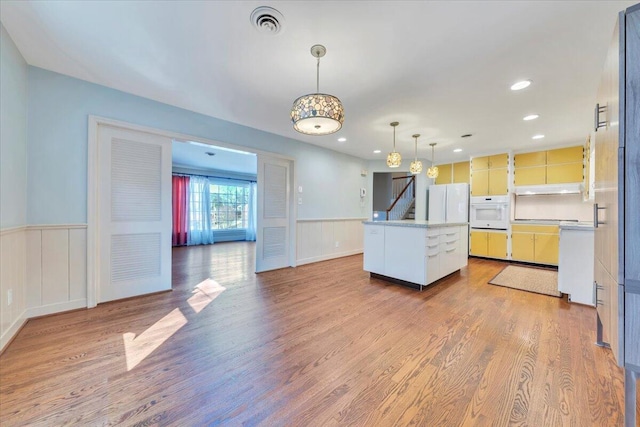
x,y
530,117
537,137
520,85
457,150
377,151
342,139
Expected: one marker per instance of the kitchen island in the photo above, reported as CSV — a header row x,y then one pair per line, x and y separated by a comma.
x,y
414,252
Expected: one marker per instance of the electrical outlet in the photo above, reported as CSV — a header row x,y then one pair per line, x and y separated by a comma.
x,y
10,297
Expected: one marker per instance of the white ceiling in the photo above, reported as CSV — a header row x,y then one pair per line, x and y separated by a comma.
x,y
442,69
194,155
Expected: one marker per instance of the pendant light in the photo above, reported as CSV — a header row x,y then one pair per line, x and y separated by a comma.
x,y
394,158
416,165
317,113
432,172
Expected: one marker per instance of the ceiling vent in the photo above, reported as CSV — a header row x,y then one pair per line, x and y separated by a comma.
x,y
267,20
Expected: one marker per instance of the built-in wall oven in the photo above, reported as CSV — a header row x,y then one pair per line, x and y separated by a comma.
x,y
490,212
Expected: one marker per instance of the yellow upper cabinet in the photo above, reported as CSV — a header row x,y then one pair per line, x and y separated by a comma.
x,y
480,163
525,160
560,166
461,173
490,162
565,155
444,174
530,176
498,161
490,175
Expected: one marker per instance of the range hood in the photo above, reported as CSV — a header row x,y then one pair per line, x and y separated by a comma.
x,y
569,188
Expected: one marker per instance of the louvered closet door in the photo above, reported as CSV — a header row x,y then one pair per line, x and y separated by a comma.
x,y
134,197
272,237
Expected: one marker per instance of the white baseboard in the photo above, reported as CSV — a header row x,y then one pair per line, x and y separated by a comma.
x,y
56,308
13,330
328,257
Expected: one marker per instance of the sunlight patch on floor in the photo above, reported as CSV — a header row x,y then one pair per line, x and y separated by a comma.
x,y
205,292
138,348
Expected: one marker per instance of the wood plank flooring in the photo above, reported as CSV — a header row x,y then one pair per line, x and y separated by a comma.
x,y
318,345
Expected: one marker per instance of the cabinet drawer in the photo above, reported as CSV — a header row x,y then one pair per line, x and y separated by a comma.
x,y
450,238
433,268
433,250
448,230
433,232
432,241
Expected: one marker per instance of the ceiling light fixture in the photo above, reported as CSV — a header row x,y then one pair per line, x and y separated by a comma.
x,y
317,113
530,117
432,172
537,137
343,139
394,158
416,165
457,150
520,85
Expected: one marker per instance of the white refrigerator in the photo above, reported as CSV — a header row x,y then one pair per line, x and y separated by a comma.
x,y
448,203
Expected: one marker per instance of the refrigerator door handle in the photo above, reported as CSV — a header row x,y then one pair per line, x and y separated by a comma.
x,y
596,221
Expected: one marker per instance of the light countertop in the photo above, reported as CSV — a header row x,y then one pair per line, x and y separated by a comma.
x,y
414,223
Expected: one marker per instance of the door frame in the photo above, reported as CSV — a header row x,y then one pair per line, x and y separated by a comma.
x,y
93,242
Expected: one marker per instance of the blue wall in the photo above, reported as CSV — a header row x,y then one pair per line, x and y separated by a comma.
x,y
13,134
59,107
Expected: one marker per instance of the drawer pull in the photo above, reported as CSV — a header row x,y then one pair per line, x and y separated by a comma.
x,y
599,302
431,256
451,250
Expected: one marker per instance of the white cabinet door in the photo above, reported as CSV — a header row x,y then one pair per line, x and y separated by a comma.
x,y
463,242
404,254
575,266
374,248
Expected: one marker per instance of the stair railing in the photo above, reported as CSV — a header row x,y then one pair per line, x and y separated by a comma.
x,y
403,201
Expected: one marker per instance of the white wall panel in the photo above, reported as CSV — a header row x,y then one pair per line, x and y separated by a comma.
x,y
77,264
55,266
316,239
34,272
12,278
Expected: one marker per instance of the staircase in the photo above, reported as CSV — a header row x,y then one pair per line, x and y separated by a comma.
x,y
403,206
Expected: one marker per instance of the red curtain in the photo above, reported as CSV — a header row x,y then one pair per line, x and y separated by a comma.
x,y
180,211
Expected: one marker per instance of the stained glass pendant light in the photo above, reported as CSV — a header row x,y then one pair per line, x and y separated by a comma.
x,y
394,158
317,113
416,165
432,172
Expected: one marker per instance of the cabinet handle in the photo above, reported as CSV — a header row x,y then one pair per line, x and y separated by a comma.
x,y
596,221
597,122
599,302
451,250
431,256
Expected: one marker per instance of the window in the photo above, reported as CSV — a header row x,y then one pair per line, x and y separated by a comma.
x,y
229,206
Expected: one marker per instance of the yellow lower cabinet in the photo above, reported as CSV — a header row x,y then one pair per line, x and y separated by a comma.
x,y
535,243
478,243
522,247
488,244
546,248
497,245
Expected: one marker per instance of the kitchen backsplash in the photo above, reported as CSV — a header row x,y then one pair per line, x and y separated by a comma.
x,y
553,206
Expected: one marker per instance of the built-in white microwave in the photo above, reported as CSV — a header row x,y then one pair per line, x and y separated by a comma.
x,y
490,212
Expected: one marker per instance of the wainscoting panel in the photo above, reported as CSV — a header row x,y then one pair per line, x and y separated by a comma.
x,y
12,279
56,268
322,239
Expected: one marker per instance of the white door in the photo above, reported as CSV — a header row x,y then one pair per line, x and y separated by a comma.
x,y
272,234
134,213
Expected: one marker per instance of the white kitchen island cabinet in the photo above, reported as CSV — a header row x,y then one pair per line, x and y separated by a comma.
x,y
575,266
414,252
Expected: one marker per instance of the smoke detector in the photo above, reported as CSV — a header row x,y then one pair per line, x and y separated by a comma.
x,y
267,20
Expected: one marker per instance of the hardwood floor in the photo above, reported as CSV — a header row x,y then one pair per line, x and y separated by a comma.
x,y
321,344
